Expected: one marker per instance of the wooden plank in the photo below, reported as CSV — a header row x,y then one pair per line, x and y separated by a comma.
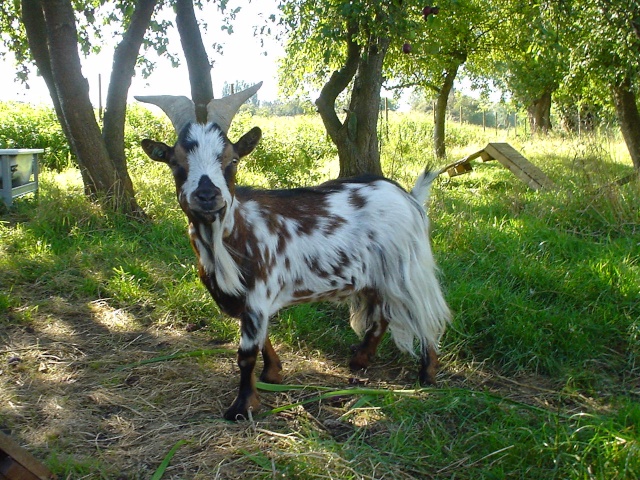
x,y
519,166
459,169
18,464
12,470
473,156
485,157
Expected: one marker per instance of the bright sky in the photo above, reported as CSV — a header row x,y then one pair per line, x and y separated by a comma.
x,y
243,59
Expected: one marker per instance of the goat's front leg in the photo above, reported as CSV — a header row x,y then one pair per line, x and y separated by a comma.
x,y
272,365
247,398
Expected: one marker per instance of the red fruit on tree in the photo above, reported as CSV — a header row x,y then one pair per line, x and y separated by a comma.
x,y
435,10
406,48
426,11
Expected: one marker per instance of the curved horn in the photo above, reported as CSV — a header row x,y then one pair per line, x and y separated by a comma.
x,y
180,109
222,110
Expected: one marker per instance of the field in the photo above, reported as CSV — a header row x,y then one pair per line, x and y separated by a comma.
x,y
115,363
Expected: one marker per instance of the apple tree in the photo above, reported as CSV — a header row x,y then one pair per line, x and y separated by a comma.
x,y
340,47
604,43
461,33
53,34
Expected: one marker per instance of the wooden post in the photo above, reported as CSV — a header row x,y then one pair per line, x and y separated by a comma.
x,y
579,122
386,116
484,123
100,97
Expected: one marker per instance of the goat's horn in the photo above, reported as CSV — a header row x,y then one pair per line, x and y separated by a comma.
x,y
180,109
222,110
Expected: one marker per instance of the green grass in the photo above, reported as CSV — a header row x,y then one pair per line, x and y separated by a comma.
x,y
545,288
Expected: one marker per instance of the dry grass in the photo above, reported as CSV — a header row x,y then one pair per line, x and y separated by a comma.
x,y
62,390
65,394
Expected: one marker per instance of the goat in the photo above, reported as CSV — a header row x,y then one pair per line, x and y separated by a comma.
x,y
364,240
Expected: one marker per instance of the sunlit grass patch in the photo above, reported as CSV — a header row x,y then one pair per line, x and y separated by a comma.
x,y
113,352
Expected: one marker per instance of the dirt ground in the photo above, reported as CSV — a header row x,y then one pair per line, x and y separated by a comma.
x,y
65,395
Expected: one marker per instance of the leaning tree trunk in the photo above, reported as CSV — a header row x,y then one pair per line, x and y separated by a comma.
x,y
441,109
35,28
197,60
125,57
356,138
626,106
539,113
101,178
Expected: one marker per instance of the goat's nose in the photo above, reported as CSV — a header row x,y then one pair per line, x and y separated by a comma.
x,y
205,195
207,192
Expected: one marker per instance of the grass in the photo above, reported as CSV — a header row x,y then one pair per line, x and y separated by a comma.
x,y
116,364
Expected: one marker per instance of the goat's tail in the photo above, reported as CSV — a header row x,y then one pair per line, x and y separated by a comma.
x,y
422,188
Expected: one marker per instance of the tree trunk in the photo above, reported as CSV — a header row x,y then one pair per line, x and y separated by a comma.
x,y
440,114
123,69
101,177
624,99
196,56
35,28
357,137
539,113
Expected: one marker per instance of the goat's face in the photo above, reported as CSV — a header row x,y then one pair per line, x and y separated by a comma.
x,y
203,162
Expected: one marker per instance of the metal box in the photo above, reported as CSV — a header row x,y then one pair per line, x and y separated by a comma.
x,y
18,172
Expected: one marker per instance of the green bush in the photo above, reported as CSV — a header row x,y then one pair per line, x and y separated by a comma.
x,y
28,126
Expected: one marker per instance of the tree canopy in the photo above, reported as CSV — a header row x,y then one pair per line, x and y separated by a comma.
x,y
573,53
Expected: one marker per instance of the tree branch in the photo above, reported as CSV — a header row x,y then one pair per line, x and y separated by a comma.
x,y
338,82
196,56
125,56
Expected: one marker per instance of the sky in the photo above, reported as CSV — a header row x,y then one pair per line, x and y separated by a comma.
x,y
243,59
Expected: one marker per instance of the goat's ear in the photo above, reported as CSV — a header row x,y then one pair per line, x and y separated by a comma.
x,y
248,142
156,150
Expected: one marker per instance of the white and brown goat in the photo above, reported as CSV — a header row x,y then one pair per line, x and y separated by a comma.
x,y
364,240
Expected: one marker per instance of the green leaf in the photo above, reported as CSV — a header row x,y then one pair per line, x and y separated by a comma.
x,y
157,475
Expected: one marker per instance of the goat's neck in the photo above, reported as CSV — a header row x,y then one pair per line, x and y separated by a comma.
x,y
214,253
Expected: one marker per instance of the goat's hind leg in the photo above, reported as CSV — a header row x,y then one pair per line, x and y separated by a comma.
x,y
429,364
272,364
367,309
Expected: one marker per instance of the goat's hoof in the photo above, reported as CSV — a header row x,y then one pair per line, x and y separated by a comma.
x,y
427,379
271,377
360,361
241,407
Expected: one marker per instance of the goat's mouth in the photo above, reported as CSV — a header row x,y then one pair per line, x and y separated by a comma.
x,y
210,214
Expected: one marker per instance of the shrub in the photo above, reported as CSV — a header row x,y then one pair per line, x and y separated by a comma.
x,y
28,126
